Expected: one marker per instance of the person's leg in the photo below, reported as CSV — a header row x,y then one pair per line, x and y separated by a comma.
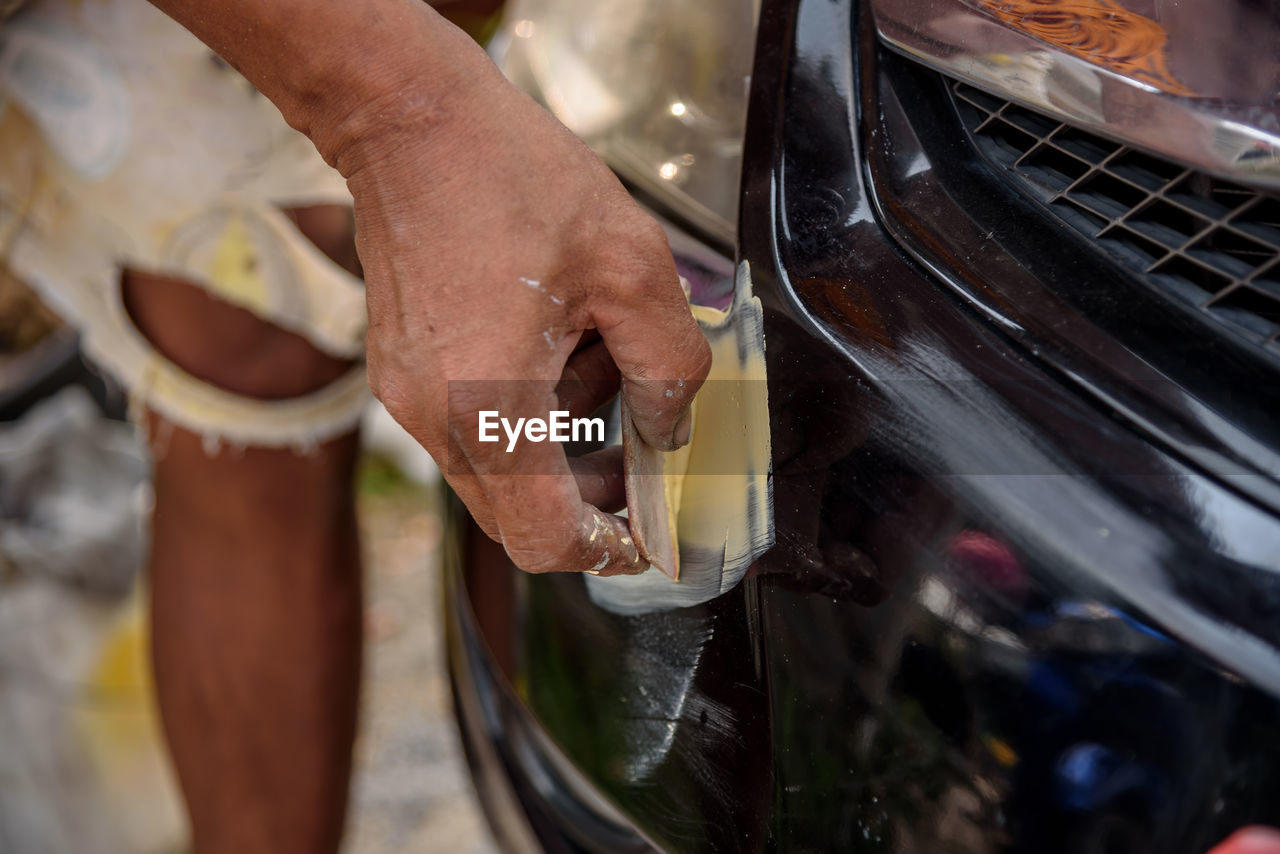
x,y
255,584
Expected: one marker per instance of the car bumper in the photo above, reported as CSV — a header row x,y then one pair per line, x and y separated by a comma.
x,y
1024,589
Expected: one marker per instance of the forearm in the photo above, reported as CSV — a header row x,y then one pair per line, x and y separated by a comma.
x,y
339,71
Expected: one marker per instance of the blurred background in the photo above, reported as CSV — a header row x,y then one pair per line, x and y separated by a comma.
x,y
82,762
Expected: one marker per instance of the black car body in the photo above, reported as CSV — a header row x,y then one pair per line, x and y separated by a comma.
x,y
1022,361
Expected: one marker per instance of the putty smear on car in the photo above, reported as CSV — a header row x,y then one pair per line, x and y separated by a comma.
x,y
718,489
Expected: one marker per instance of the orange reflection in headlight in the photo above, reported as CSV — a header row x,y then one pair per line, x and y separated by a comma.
x,y
1098,31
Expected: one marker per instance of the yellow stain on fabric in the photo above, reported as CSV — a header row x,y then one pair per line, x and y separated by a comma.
x,y
121,713
235,271
117,726
122,666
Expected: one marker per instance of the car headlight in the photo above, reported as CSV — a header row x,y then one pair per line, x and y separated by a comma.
x,y
657,87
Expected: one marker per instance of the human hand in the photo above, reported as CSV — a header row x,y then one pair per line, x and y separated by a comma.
x,y
497,247
1251,840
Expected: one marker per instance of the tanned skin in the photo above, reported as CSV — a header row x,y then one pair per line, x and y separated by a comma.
x,y
465,191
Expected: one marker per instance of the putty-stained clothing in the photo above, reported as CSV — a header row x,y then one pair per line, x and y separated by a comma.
x,y
125,142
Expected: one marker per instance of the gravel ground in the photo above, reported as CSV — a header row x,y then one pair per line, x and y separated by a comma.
x,y
81,763
411,789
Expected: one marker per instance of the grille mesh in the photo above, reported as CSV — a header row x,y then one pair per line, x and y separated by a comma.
x,y
1208,243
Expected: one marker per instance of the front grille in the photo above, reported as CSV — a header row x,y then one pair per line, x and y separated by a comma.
x,y
1209,244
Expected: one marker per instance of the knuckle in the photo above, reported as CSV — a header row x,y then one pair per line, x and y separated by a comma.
x,y
637,258
406,400
383,378
699,365
542,554
485,520
659,245
462,405
392,396
647,236
376,378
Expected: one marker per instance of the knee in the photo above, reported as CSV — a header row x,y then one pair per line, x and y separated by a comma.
x,y
229,347
224,345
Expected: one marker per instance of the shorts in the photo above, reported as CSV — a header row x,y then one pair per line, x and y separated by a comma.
x,y
125,142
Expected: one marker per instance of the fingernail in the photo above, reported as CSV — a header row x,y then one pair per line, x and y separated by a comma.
x,y
684,428
1255,840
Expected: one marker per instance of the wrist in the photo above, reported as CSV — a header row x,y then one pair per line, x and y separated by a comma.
x,y
365,104
348,75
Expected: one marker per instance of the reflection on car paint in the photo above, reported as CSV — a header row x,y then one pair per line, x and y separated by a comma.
x,y
1042,642
1098,31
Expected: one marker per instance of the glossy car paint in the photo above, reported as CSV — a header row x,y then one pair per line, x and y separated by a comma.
x,y
1024,592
